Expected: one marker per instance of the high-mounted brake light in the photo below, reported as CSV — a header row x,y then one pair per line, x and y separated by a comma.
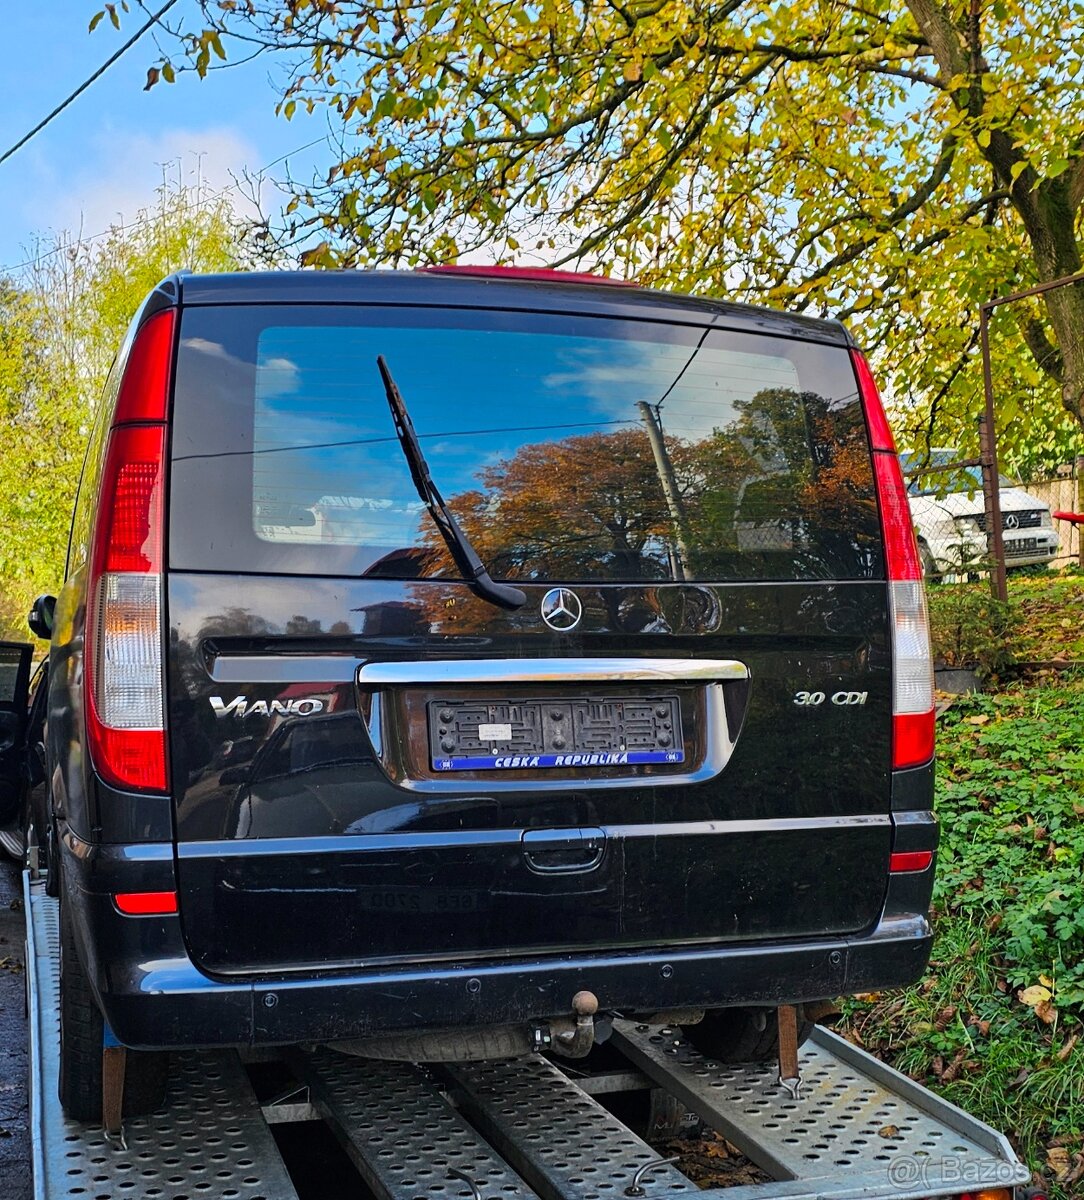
x,y
912,658
125,706
541,274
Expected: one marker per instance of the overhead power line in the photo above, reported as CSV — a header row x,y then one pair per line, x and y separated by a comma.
x,y
124,228
97,75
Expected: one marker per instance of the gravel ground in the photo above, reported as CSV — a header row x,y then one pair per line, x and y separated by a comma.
x,y
15,1183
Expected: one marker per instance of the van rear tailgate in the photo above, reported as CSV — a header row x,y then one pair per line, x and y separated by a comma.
x,y
301,845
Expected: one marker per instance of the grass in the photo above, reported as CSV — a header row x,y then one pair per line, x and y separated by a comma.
x,y
997,1025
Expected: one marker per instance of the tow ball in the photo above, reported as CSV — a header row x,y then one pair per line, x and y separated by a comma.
x,y
576,1042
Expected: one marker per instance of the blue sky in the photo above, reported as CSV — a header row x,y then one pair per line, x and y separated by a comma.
x,y
103,157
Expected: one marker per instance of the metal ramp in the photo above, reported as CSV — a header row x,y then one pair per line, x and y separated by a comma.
x,y
208,1140
520,1130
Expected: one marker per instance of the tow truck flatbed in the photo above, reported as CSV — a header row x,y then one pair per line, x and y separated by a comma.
x,y
517,1130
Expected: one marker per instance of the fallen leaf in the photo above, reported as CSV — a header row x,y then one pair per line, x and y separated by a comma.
x,y
1067,1049
944,1018
1059,1161
1046,1012
954,1067
1033,996
980,719
888,1131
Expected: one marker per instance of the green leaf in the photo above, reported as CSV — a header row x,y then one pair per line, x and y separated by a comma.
x,y
94,20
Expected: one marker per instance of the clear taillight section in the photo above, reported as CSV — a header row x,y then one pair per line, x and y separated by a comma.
x,y
912,658
128,651
124,671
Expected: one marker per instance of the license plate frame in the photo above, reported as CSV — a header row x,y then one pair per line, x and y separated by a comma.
x,y
558,733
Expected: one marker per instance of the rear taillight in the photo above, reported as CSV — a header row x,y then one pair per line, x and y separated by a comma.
x,y
125,705
912,659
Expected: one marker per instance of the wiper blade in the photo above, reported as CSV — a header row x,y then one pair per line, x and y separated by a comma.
x,y
465,556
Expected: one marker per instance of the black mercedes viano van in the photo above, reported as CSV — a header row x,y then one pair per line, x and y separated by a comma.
x,y
435,646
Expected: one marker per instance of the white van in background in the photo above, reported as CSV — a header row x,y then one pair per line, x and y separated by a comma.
x,y
950,517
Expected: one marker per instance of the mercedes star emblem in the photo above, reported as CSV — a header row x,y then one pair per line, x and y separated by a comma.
x,y
561,609
1012,521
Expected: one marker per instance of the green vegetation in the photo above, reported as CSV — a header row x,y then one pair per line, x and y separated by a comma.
x,y
997,1024
1043,622
893,165
59,330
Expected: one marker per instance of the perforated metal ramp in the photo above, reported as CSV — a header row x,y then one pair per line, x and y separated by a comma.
x,y
404,1137
519,1130
564,1143
209,1140
858,1129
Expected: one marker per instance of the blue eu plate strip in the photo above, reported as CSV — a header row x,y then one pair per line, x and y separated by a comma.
x,y
582,758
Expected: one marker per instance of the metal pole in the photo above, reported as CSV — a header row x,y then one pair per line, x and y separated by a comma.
x,y
991,480
670,490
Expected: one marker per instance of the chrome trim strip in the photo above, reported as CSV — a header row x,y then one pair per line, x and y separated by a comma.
x,y
332,844
344,668
549,670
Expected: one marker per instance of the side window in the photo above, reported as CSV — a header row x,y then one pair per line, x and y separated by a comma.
x,y
87,495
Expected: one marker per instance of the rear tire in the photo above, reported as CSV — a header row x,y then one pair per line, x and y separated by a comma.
x,y
81,1031
743,1035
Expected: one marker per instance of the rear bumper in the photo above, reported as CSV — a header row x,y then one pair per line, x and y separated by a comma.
x,y
154,996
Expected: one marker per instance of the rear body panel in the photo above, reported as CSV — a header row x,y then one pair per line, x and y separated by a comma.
x,y
313,856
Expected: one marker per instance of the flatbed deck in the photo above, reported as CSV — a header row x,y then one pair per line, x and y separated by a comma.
x,y
518,1130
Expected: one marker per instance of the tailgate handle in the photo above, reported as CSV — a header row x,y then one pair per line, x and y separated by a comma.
x,y
549,851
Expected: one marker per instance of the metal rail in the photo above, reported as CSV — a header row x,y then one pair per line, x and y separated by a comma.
x,y
519,1130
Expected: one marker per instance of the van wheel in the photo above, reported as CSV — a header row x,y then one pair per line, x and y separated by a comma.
x,y
81,1028
743,1035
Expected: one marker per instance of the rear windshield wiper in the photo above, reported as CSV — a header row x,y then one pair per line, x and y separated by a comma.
x,y
465,556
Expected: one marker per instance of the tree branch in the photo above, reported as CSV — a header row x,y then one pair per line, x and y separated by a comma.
x,y
1047,356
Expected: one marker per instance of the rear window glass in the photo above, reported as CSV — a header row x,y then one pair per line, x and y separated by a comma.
x,y
569,448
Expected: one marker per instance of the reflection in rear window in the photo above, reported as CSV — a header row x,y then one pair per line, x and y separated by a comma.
x,y
569,448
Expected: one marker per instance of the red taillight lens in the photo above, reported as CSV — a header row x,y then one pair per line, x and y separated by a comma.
x,y
146,904
901,549
912,658
144,390
880,432
903,862
912,739
128,536
125,698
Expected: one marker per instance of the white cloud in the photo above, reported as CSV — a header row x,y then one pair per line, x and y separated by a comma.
x,y
120,171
